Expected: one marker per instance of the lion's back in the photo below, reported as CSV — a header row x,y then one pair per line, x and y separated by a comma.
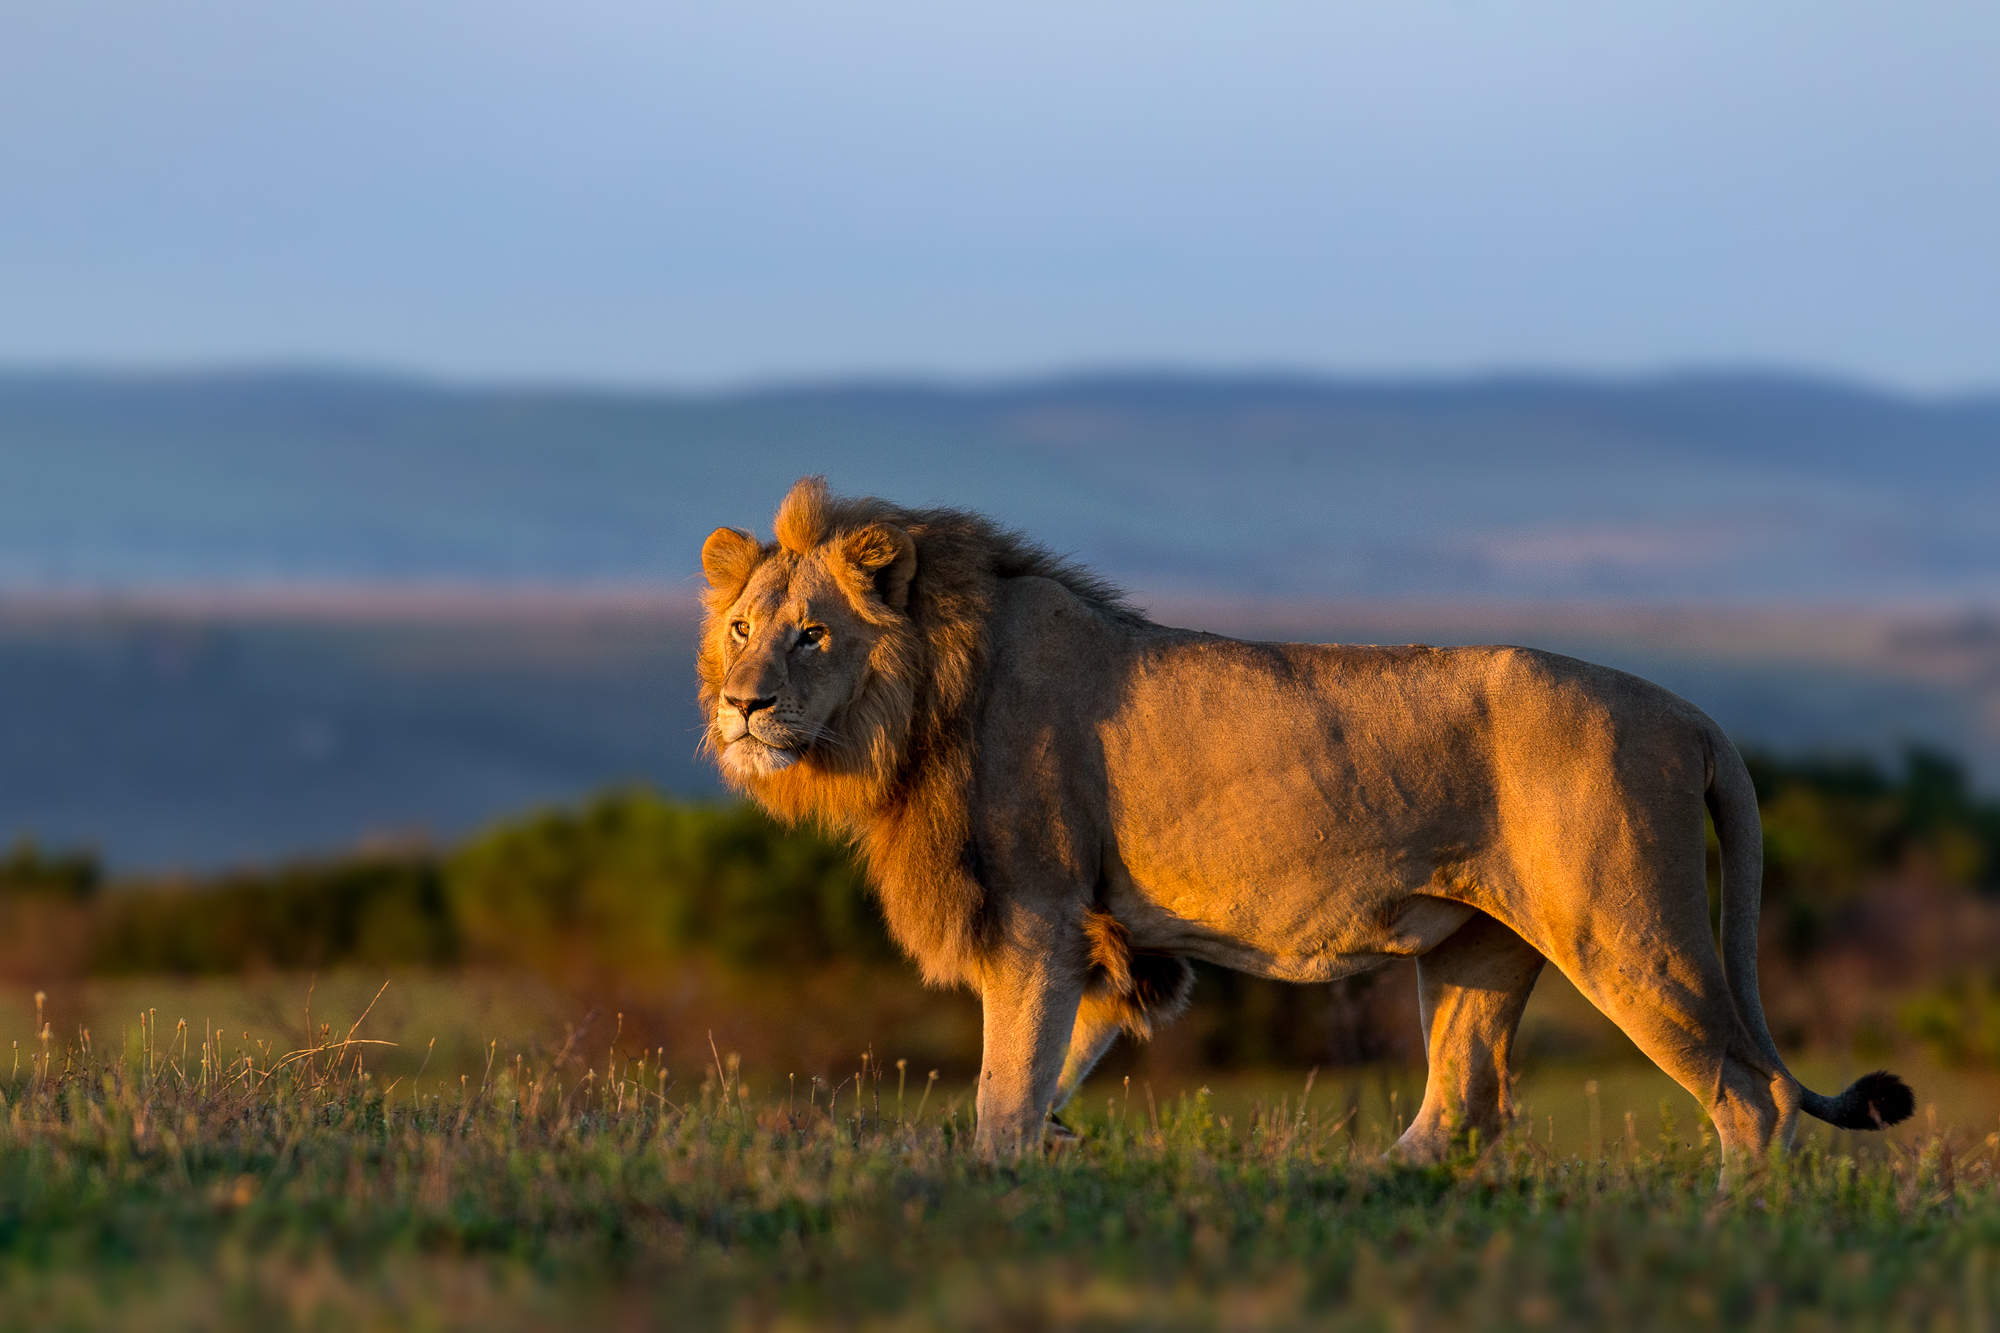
x,y
1196,733
1514,705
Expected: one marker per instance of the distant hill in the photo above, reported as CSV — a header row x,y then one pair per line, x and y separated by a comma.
x,y
1618,521
1695,487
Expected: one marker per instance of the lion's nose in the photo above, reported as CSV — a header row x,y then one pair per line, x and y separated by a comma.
x,y
749,706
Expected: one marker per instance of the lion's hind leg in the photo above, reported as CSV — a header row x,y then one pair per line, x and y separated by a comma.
x,y
1129,992
1098,1023
1471,990
1652,968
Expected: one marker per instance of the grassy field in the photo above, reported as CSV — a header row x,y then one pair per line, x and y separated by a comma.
x,y
175,1177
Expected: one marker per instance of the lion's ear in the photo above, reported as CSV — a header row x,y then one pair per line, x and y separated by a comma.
x,y
727,558
887,558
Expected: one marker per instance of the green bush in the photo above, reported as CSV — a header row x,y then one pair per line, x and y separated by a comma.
x,y
631,879
29,872
1959,1021
625,883
375,909
1836,827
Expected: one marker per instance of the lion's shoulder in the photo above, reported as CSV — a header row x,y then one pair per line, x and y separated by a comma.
x,y
1030,605
1047,640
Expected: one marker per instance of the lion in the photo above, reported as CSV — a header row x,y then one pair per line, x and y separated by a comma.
x,y
1061,802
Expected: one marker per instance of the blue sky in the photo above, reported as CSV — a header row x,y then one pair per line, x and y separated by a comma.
x,y
699,194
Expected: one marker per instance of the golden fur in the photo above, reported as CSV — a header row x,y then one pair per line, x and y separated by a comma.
x,y
1061,802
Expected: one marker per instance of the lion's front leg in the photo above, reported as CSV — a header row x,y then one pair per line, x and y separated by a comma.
x,y
1030,997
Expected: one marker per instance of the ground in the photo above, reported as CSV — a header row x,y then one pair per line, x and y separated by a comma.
x,y
153,1183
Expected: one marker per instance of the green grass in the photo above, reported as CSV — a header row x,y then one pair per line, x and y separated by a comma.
x,y
170,1183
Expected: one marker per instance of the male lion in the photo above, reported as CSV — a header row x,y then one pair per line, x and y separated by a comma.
x,y
1061,802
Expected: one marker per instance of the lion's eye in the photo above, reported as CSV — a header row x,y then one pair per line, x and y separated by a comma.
x,y
740,628
811,635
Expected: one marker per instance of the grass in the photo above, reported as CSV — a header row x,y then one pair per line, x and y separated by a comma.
x,y
180,1179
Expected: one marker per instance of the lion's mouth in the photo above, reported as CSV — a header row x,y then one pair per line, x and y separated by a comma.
x,y
750,756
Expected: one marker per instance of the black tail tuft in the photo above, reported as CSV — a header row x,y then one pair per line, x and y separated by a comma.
x,y
1873,1101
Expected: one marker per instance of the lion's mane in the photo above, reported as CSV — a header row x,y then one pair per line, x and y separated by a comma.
x,y
898,775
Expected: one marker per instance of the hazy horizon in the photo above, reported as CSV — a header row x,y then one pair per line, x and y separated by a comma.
x,y
1737,487
917,380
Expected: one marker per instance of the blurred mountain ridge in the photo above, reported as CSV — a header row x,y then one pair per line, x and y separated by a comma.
x,y
1708,487
247,616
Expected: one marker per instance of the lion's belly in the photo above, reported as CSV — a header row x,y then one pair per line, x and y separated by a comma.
x,y
1256,826
1304,919
1343,937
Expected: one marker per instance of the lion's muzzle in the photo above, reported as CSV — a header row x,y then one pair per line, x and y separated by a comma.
x,y
753,744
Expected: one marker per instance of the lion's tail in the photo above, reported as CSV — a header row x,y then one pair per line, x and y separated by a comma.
x,y
1873,1101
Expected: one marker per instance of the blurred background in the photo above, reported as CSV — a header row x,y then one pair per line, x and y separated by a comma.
x,y
370,375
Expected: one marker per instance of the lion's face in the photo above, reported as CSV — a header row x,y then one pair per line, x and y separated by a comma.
x,y
797,645
796,653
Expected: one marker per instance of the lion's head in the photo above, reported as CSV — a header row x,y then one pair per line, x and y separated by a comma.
x,y
840,667
809,655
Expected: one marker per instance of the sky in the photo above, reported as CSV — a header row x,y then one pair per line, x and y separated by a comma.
x,y
706,194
